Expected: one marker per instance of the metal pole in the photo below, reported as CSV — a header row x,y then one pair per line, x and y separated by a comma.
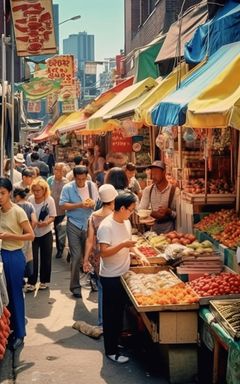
x,y
2,146
12,103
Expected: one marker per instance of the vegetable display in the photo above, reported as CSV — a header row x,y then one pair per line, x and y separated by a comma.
x,y
4,331
224,283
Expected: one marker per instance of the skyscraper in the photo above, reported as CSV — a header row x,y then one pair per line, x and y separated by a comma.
x,y
81,45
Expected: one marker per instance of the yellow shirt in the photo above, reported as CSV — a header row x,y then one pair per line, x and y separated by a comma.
x,y
11,221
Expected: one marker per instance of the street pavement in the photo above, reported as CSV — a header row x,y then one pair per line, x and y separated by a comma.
x,y
55,353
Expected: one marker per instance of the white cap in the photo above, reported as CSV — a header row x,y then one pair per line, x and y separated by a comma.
x,y
107,193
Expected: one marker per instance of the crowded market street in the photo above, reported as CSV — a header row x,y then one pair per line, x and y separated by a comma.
x,y
56,353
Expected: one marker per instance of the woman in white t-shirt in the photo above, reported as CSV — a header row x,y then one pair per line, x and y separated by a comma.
x,y
45,211
114,237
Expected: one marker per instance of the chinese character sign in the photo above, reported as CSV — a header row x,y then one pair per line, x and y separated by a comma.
x,y
61,67
120,143
33,27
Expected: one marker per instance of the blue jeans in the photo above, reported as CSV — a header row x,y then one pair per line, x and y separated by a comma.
x,y
14,266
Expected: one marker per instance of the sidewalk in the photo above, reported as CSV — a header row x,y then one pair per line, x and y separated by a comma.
x,y
56,353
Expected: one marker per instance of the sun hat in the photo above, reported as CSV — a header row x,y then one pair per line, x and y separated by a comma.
x,y
158,164
107,193
19,158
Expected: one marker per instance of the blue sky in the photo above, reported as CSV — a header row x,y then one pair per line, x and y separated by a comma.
x,y
102,18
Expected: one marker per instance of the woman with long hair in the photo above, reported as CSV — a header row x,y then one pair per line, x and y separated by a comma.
x,y
46,211
14,230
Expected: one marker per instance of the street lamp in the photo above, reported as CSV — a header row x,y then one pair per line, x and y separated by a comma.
x,y
71,18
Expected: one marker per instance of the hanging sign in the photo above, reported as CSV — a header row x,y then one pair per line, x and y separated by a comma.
x,y
61,67
33,27
34,106
119,143
39,88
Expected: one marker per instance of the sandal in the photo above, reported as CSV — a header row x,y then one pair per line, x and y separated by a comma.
x,y
43,286
120,359
30,288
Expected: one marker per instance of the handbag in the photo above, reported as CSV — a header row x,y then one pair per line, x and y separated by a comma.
x,y
44,212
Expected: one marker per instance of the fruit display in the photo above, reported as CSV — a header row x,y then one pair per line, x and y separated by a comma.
x,y
4,331
214,186
148,251
179,295
224,283
223,226
147,284
175,237
162,288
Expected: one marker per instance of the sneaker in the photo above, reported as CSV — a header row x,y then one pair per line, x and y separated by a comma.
x,y
43,286
30,288
120,359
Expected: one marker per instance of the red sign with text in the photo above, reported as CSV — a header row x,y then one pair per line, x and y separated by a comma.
x,y
120,143
33,27
61,67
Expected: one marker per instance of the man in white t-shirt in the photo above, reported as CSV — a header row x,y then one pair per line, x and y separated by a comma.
x,y
114,236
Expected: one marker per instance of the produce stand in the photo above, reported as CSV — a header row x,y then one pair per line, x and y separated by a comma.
x,y
189,204
174,327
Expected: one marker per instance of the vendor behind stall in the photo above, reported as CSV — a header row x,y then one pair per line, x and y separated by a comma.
x,y
160,197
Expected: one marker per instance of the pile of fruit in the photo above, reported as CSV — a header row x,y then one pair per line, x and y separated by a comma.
x,y
162,288
216,285
4,331
214,186
147,251
179,295
223,226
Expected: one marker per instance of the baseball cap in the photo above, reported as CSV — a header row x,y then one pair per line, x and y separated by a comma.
x,y
107,193
158,164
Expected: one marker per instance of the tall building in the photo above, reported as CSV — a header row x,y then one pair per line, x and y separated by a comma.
x,y
81,45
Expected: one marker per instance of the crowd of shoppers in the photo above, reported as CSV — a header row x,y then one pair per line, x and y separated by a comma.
x,y
92,207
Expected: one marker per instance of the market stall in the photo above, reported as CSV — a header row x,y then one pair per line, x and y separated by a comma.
x,y
185,274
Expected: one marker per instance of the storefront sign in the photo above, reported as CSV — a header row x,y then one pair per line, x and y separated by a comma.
x,y
69,105
39,88
61,67
120,143
33,27
34,106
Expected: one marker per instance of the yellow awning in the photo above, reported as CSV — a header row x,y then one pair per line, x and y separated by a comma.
x,y
218,106
96,121
140,108
72,121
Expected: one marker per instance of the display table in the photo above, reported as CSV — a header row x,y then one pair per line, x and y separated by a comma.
x,y
221,339
175,328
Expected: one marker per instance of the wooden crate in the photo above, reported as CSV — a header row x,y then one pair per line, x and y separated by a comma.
x,y
221,319
156,308
178,327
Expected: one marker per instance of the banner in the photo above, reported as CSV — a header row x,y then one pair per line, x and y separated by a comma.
x,y
39,88
61,67
120,143
33,27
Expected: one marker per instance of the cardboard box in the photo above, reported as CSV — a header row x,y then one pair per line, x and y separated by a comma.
x,y
178,327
